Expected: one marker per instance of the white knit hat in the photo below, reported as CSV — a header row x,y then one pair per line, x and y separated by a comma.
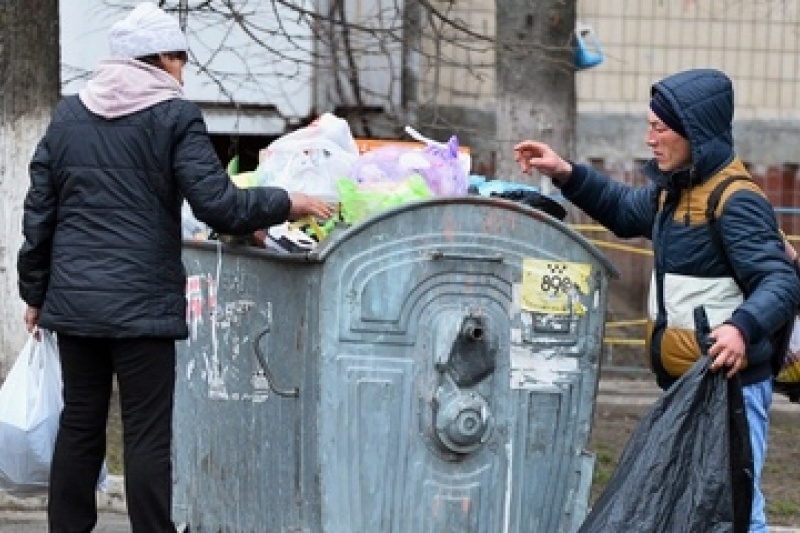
x,y
145,31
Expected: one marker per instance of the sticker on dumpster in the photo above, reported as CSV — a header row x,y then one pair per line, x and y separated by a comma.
x,y
554,287
543,370
194,304
197,303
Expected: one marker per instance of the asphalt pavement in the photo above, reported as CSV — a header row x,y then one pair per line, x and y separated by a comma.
x,y
36,522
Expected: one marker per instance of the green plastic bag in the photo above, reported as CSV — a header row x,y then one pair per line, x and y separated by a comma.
x,y
359,202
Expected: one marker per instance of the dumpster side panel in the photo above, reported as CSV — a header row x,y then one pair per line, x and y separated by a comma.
x,y
458,370
445,357
242,459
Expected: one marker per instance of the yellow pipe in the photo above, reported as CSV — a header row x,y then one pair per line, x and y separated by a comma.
x,y
623,247
588,227
620,323
633,249
631,342
598,227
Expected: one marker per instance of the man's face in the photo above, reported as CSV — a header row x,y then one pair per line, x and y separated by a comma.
x,y
670,150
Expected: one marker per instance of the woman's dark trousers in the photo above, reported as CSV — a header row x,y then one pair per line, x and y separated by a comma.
x,y
145,371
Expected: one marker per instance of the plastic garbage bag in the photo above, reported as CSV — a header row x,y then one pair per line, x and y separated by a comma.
x,y
191,228
30,407
536,201
311,159
359,201
787,380
447,172
688,465
390,164
30,404
439,167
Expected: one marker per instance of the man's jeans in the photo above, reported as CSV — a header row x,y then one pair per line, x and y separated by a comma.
x,y
757,400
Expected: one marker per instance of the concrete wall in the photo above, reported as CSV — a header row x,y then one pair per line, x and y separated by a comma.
x,y
242,86
619,137
756,43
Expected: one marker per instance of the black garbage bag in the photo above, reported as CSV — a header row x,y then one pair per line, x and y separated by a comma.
x,y
688,466
535,200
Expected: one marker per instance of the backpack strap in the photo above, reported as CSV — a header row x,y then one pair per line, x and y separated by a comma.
x,y
713,222
716,195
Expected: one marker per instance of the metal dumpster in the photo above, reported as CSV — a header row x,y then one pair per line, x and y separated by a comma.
x,y
432,369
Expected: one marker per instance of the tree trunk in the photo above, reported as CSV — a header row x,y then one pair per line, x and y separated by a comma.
x,y
535,79
30,86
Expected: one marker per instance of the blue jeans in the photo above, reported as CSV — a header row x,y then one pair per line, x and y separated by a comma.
x,y
757,401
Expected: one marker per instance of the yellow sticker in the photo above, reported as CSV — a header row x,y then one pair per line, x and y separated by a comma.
x,y
554,287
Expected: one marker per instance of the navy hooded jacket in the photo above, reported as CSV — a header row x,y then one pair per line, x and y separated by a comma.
x,y
688,270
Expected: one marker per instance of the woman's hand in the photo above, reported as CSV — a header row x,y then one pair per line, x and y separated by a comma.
x,y
304,205
32,320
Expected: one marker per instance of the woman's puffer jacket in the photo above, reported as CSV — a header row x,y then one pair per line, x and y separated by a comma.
x,y
102,219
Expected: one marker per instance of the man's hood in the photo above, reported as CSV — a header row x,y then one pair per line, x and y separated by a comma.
x,y
703,100
121,87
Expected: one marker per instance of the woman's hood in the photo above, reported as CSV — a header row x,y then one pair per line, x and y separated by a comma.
x,y
120,87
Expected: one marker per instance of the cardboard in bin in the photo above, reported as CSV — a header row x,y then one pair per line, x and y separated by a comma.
x,y
367,145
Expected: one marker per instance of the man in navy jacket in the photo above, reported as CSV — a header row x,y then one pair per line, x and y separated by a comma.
x,y
690,134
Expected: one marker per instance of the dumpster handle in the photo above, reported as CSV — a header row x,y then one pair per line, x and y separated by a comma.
x,y
496,258
262,360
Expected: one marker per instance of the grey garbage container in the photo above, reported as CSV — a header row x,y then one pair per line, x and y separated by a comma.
x,y
432,369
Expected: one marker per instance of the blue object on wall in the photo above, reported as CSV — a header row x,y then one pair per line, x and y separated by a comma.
x,y
588,53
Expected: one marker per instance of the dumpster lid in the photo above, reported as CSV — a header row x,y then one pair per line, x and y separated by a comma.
x,y
335,239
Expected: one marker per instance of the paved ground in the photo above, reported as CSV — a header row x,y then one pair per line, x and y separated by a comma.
x,y
644,392
27,516
36,522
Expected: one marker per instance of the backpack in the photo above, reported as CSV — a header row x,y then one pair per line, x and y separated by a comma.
x,y
786,362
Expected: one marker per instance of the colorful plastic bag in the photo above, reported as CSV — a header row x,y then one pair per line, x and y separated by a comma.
x,y
438,164
790,368
359,201
445,176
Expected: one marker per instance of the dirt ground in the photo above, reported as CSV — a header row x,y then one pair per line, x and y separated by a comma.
x,y
613,425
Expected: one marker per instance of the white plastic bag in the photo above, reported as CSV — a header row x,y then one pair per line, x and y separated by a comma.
x,y
310,160
30,405
192,229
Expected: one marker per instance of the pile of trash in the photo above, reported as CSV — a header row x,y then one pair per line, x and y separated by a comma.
x,y
362,178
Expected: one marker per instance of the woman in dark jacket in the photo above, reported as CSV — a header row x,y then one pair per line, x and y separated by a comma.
x,y
750,296
101,260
